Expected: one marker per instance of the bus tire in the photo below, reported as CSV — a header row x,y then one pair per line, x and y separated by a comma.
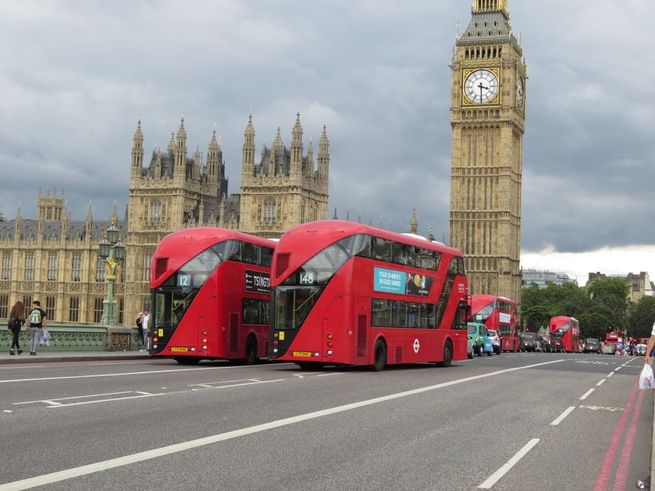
x,y
380,356
251,350
448,354
187,360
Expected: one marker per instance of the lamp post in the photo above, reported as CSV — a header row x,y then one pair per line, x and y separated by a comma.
x,y
112,251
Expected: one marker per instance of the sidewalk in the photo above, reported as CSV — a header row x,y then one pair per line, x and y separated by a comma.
x,y
46,355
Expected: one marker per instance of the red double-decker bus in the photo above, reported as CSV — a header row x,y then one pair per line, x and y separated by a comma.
x,y
566,330
211,295
499,314
351,294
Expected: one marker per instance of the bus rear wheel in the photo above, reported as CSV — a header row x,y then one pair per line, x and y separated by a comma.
x,y
447,354
187,360
380,356
251,350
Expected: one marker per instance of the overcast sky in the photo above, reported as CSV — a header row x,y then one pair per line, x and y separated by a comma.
x,y
76,76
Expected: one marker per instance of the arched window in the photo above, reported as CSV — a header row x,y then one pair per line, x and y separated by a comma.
x,y
155,212
270,211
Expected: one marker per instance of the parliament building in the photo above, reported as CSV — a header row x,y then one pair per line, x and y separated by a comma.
x,y
56,259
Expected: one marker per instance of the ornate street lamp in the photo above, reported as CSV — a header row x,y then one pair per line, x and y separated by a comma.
x,y
112,251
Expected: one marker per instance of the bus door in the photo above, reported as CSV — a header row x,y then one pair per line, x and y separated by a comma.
x,y
361,328
207,328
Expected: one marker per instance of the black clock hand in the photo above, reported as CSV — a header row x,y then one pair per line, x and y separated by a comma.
x,y
482,87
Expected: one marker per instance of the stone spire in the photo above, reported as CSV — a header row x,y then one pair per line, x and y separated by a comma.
x,y
212,157
137,152
413,223
296,148
248,151
324,156
180,151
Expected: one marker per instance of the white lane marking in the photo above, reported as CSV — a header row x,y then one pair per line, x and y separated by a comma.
x,y
617,369
610,374
235,384
331,374
7,411
599,408
57,403
561,417
21,366
601,382
496,476
221,437
112,399
100,375
88,396
586,394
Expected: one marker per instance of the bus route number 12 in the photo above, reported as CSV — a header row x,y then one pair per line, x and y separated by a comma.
x,y
306,278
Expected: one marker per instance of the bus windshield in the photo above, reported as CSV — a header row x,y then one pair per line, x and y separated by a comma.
x,y
483,314
174,297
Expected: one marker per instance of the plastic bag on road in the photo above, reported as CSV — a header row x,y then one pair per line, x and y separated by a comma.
x,y
646,378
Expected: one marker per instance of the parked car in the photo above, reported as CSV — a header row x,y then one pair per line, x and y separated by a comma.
x,y
528,341
592,345
495,340
641,349
469,348
479,337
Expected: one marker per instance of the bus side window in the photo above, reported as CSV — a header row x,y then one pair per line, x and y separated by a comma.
x,y
248,253
266,257
381,249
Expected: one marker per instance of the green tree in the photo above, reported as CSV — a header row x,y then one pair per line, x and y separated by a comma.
x,y
613,294
596,321
642,317
538,305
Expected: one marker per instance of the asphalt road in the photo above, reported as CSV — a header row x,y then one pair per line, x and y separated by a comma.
x,y
508,422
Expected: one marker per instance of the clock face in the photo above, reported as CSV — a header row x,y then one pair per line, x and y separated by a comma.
x,y
481,87
520,91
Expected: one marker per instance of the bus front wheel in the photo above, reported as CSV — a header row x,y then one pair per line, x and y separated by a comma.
x,y
447,354
380,356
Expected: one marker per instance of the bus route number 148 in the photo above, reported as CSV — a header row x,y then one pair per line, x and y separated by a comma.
x,y
306,278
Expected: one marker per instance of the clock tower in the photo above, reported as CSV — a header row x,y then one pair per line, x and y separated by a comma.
x,y
488,119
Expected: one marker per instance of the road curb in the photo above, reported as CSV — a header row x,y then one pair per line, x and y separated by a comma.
x,y
21,360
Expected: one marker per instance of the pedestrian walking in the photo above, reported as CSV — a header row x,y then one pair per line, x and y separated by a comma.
x,y
36,322
139,327
16,321
145,323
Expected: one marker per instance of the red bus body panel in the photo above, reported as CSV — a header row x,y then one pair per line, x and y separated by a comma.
x,y
340,320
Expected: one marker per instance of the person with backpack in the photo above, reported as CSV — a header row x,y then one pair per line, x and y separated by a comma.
x,y
36,322
139,326
16,321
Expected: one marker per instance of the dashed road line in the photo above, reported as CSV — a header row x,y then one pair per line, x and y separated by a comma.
x,y
586,394
496,476
561,417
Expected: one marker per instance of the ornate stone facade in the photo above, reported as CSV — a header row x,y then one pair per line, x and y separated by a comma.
x,y
285,188
488,119
56,260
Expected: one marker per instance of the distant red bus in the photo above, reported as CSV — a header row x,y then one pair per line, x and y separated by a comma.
x,y
349,294
211,296
567,331
499,314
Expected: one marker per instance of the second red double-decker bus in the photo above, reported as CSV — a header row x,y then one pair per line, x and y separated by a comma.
x,y
347,293
566,330
499,314
211,295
